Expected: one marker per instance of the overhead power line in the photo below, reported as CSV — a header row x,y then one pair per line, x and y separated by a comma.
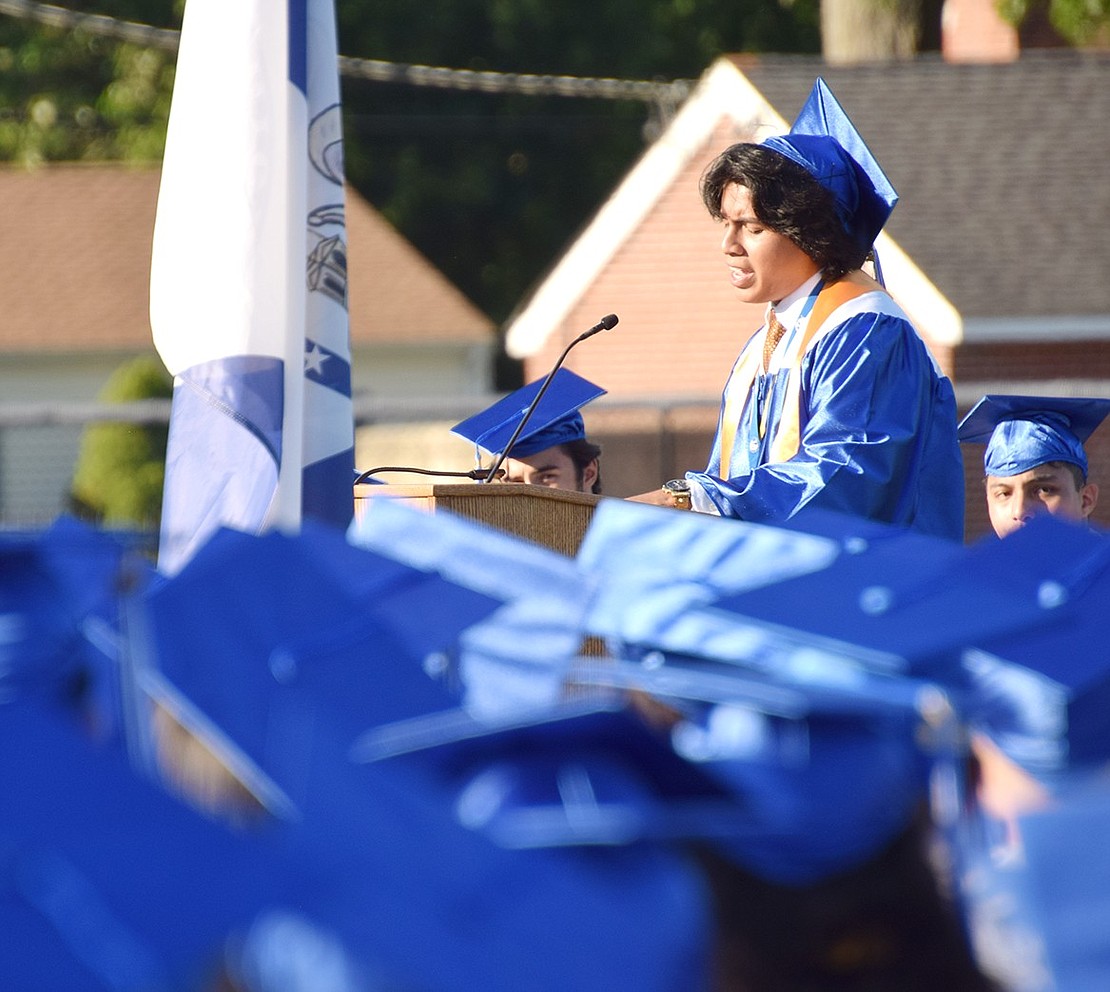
x,y
514,82
98,24
664,94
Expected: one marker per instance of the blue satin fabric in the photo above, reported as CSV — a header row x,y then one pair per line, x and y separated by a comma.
x,y
877,436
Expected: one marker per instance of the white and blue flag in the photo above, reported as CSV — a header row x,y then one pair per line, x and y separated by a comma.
x,y
248,315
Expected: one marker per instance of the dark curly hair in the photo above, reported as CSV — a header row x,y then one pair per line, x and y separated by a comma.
x,y
788,200
582,453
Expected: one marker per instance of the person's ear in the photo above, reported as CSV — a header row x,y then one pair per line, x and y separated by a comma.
x,y
1088,499
589,476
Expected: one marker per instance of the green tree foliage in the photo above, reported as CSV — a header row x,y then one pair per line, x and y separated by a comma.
x,y
71,96
492,187
120,468
1080,22
489,187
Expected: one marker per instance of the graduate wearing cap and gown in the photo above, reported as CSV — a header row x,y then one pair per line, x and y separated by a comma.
x,y
1034,464
836,402
1034,460
552,449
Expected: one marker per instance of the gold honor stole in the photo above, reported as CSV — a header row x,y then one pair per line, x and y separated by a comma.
x,y
787,435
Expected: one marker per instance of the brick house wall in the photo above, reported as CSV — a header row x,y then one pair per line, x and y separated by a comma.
x,y
678,315
1034,360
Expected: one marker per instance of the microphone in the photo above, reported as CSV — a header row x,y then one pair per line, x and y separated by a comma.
x,y
606,323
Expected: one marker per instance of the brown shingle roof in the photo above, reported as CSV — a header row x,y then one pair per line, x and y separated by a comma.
x,y
76,259
1000,169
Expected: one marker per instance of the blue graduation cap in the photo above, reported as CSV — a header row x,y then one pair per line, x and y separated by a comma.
x,y
445,908
887,609
825,771
1022,432
1066,865
39,623
106,881
861,781
1042,694
654,570
1038,917
263,641
824,142
796,783
655,577
768,597
588,771
60,593
906,603
555,420
1011,629
285,649
519,655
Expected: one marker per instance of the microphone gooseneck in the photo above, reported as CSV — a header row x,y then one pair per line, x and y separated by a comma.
x,y
474,473
608,322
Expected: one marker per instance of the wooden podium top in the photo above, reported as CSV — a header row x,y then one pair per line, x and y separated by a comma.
x,y
555,518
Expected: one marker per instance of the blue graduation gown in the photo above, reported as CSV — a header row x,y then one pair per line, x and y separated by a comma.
x,y
874,426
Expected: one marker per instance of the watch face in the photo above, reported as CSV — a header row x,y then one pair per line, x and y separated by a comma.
x,y
677,486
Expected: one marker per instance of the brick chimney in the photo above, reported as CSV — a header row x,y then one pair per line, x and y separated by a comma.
x,y
974,31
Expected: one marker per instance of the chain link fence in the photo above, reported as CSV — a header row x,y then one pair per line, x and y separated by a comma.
x,y
643,443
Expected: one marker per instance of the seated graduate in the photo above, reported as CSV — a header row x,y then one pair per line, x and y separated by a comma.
x,y
1035,461
1034,464
552,448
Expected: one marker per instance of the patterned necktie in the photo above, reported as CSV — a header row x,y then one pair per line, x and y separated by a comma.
x,y
775,331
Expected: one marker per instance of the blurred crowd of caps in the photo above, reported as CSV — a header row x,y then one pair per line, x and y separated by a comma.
x,y
427,755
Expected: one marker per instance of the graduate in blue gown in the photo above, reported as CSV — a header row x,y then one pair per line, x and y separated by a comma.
x,y
550,448
836,401
1034,461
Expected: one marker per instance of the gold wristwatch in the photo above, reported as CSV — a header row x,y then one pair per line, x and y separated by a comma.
x,y
679,490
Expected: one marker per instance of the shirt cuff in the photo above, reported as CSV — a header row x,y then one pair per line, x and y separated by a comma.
x,y
699,498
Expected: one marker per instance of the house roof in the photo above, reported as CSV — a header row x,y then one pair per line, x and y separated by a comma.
x,y
1003,226
76,259
1000,168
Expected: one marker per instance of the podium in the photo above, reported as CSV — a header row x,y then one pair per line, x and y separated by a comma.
x,y
554,518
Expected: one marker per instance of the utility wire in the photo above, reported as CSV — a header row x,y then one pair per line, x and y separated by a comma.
x,y
512,82
98,24
666,95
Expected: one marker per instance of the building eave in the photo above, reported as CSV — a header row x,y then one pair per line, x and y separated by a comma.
x,y
723,94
